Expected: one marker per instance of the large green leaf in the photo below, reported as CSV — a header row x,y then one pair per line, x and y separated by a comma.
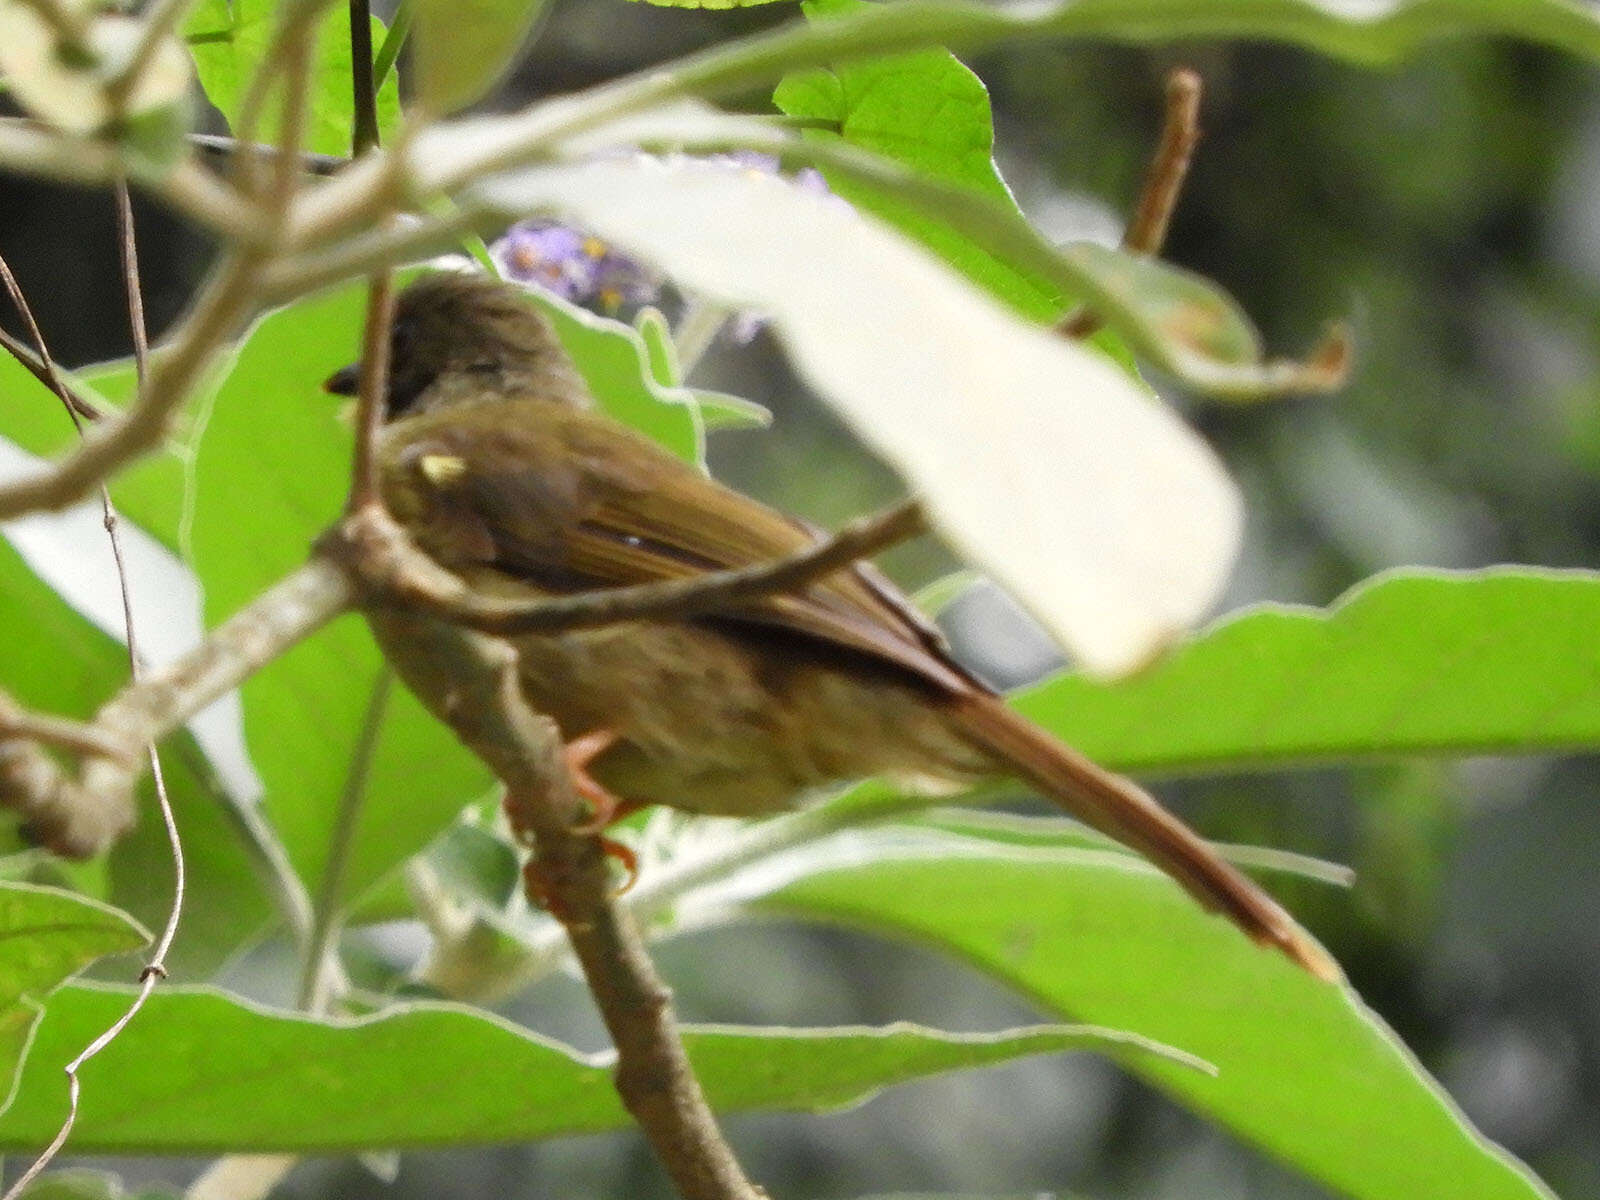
x,y
1415,661
65,665
1304,1070
1368,32
434,1075
929,112
149,492
47,935
464,46
229,40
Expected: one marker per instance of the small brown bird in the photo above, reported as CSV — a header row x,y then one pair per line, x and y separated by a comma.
x,y
497,462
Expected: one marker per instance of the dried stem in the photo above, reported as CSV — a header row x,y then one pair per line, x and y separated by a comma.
x,y
62,733
569,873
225,306
394,571
1163,184
155,968
363,83
371,393
1163,181
79,404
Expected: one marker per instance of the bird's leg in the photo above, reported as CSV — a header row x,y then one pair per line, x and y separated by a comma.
x,y
608,807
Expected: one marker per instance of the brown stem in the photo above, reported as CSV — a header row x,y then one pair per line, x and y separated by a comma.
x,y
569,873
1163,184
393,570
1163,181
371,393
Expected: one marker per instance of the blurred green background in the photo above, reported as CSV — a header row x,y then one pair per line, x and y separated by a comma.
x,y
1447,209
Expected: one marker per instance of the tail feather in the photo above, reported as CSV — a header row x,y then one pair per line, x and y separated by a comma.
x,y
1118,807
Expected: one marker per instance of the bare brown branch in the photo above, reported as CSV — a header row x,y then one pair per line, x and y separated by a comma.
x,y
371,393
1163,184
569,872
1169,167
392,570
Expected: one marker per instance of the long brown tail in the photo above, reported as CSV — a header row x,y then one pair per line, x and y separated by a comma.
x,y
1118,807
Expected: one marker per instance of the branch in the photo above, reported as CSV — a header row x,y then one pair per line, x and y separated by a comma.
x,y
1163,183
372,390
569,871
393,571
223,310
363,83
77,817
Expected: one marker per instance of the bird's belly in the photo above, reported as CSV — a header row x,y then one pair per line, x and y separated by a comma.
x,y
704,724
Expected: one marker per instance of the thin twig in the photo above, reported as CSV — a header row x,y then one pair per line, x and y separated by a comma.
x,y
222,310
224,146
296,112
1163,181
79,817
363,81
80,404
128,254
371,394
569,873
155,968
67,21
321,958
1163,184
62,733
29,148
394,571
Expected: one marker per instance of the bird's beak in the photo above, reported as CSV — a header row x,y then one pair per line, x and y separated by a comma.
x,y
343,382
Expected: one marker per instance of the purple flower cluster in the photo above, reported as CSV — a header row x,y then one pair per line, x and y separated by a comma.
x,y
573,265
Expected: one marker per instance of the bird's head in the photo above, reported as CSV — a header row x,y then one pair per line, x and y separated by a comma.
x,y
461,337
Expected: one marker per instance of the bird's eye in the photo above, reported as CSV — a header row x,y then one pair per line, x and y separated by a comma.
x,y
484,366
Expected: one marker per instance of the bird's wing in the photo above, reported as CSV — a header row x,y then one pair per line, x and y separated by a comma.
x,y
570,501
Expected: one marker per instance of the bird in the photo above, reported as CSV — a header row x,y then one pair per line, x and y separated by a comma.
x,y
495,458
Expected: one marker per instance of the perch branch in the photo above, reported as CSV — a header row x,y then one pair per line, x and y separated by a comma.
x,y
569,872
394,571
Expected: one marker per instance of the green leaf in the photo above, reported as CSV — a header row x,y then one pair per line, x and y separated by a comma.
x,y
927,111
1304,1070
464,46
615,361
1414,661
289,1083
83,669
1367,32
718,410
229,40
149,492
46,936
79,1184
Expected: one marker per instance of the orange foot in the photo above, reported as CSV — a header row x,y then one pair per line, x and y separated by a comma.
x,y
608,808
541,891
